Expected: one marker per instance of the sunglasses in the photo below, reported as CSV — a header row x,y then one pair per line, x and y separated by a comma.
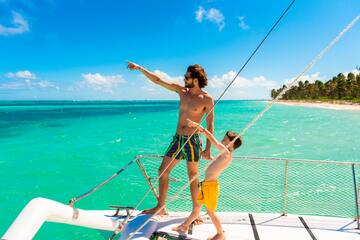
x,y
187,77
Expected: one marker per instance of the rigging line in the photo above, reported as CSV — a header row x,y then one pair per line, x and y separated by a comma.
x,y
254,52
307,68
94,189
223,93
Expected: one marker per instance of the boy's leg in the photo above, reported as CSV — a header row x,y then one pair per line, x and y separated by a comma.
x,y
216,221
185,225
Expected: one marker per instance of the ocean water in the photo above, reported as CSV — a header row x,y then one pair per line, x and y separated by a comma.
x,y
61,149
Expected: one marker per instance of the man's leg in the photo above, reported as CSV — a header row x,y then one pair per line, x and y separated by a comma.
x,y
216,221
193,168
164,171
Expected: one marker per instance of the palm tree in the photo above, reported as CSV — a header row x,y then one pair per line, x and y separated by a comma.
x,y
339,87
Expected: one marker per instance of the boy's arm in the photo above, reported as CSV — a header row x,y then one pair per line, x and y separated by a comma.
x,y
208,135
155,79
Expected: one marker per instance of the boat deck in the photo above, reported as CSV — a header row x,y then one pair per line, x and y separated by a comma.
x,y
256,226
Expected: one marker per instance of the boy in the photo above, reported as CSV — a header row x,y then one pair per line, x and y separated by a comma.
x,y
210,186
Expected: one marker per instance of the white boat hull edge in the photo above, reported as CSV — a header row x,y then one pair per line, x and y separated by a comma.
x,y
40,210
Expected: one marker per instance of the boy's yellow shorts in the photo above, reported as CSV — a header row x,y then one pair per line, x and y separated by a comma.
x,y
209,194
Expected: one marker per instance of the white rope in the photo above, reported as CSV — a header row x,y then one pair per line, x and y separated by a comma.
x,y
256,118
307,68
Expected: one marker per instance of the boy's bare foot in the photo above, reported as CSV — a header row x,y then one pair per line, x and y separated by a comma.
x,y
162,212
198,221
181,228
217,237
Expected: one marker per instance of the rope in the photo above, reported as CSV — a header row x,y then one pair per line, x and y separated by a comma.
x,y
74,200
307,68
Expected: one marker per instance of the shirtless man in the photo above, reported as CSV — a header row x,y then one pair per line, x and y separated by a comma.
x,y
210,186
194,103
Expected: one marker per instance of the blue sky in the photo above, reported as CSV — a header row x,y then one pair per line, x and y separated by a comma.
x,y
77,50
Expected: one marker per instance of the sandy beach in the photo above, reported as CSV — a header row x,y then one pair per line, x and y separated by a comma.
x,y
336,105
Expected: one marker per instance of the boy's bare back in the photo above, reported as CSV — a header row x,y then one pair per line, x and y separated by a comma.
x,y
218,165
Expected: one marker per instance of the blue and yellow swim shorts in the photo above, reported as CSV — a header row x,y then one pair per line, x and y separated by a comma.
x,y
191,151
209,194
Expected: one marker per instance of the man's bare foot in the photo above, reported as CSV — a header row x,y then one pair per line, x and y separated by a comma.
x,y
181,228
154,210
198,221
217,237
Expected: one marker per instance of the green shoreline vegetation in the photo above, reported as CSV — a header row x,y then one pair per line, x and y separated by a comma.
x,y
340,89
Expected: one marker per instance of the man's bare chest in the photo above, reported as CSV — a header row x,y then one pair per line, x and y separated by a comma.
x,y
192,104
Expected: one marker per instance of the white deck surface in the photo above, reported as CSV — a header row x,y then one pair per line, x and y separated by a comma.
x,y
237,226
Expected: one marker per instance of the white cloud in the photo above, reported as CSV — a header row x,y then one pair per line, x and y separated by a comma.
x,y
256,87
20,25
25,74
311,78
316,76
240,82
199,14
168,78
27,84
242,23
223,80
44,84
355,72
13,85
150,89
100,82
25,79
157,92
243,88
212,15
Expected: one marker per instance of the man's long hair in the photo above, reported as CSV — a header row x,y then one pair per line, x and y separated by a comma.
x,y
198,72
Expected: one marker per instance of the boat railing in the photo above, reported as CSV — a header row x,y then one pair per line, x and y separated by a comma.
x,y
271,184
253,184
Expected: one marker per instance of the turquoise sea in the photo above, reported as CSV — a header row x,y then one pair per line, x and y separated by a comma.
x,y
60,149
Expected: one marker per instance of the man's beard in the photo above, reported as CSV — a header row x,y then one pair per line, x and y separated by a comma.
x,y
190,85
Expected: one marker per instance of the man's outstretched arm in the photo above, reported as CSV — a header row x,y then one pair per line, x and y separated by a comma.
x,y
208,135
155,79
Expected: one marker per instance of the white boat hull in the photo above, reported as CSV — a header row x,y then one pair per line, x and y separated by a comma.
x,y
237,225
39,210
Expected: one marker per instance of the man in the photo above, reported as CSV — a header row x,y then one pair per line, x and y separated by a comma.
x,y
210,186
194,103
